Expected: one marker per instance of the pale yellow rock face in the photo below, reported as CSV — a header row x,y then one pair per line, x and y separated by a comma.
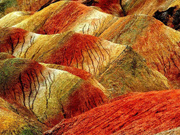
x,y
175,131
14,121
129,73
14,18
51,89
147,7
175,3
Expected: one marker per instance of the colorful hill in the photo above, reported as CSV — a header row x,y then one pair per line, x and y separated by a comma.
x,y
117,67
149,37
51,20
157,43
139,113
89,67
48,93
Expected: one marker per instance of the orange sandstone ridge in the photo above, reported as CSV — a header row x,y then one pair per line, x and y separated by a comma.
x,y
141,113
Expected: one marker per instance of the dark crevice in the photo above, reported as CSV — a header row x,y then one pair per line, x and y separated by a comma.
x,y
89,2
176,20
170,17
135,114
94,48
37,90
77,63
87,50
72,57
11,43
164,15
47,4
22,88
31,90
124,12
87,105
63,111
82,59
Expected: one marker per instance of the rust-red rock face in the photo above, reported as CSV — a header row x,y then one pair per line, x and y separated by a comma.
x,y
141,113
84,99
164,57
11,39
71,53
60,22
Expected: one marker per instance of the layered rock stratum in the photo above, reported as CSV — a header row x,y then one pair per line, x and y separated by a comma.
x,y
89,67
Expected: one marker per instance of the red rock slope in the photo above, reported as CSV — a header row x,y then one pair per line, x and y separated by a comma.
x,y
138,113
63,16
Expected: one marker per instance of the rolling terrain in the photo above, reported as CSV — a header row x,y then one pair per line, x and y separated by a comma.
x,y
89,67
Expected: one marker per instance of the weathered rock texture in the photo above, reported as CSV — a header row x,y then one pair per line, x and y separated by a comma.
x,y
14,17
157,43
50,94
115,66
67,63
140,113
7,6
18,120
63,16
148,7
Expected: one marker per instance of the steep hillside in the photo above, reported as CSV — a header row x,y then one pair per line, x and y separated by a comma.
x,y
140,113
157,43
64,16
16,119
48,93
